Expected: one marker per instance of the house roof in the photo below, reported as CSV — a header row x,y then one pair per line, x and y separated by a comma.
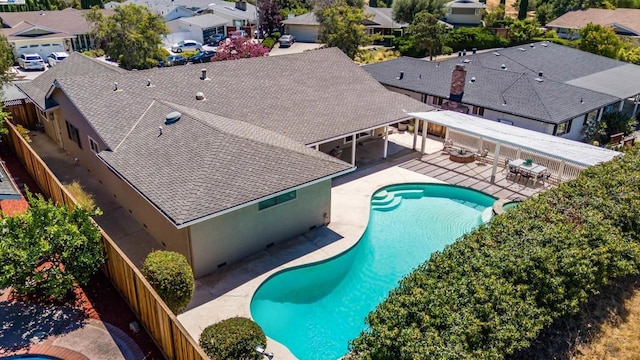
x,y
382,18
204,20
205,164
69,21
553,100
224,8
10,92
74,65
569,150
285,94
468,4
247,140
621,17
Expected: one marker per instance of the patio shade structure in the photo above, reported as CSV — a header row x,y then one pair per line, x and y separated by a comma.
x,y
571,151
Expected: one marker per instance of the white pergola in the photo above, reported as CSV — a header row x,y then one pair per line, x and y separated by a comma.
x,y
564,149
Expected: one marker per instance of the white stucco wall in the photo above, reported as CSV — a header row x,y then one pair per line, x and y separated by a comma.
x,y
233,236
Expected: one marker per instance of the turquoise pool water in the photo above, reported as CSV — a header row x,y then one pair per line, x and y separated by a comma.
x,y
510,205
316,309
31,357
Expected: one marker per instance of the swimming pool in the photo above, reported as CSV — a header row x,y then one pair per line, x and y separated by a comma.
x,y
31,357
316,309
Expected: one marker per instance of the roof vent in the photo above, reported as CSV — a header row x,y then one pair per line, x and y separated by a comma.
x,y
199,95
148,82
533,46
540,73
539,79
496,53
172,118
401,75
115,86
522,49
544,44
204,75
466,61
503,67
581,101
473,79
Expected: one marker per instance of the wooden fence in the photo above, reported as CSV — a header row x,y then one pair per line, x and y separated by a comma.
x,y
163,326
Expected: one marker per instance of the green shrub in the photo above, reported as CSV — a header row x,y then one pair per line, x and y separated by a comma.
x,y
491,293
269,42
406,46
234,338
163,53
170,275
473,37
188,54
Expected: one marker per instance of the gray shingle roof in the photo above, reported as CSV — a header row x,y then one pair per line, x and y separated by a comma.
x,y
309,97
204,20
204,163
75,65
551,100
469,4
382,18
621,81
246,140
68,21
10,92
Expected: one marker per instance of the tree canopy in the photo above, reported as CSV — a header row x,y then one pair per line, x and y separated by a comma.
x,y
132,35
270,14
600,40
49,249
341,25
429,34
524,30
405,11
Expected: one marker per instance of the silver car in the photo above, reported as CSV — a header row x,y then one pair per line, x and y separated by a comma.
x,y
31,61
186,45
56,57
286,40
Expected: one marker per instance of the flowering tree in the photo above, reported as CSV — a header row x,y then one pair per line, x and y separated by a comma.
x,y
239,48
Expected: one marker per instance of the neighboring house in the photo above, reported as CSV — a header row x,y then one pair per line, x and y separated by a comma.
x,y
305,27
243,165
624,22
44,32
238,14
543,86
464,12
199,28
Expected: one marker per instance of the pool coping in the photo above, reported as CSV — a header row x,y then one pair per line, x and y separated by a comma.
x,y
350,206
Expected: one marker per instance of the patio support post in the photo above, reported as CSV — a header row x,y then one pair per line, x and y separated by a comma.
x,y
424,136
415,133
621,106
353,150
600,112
518,153
481,143
635,105
560,171
495,162
386,141
317,147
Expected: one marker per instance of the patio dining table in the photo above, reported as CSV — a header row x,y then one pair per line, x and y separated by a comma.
x,y
533,168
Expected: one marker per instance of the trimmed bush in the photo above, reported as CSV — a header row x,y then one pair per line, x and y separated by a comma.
x,y
170,275
492,292
269,42
473,37
234,338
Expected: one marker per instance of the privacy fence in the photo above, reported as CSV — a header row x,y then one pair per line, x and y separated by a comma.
x,y
170,336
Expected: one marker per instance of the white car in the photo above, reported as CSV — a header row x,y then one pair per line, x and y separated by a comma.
x,y
31,61
56,57
186,45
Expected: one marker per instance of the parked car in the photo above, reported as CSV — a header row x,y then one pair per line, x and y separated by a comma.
x,y
216,39
202,56
186,45
56,57
238,34
173,60
286,40
31,61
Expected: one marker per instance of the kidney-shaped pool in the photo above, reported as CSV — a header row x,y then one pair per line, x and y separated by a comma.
x,y
317,308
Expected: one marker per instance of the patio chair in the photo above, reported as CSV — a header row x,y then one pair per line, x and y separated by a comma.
x,y
513,171
481,156
543,176
526,175
447,145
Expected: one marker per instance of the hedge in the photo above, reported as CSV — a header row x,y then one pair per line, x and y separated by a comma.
x,y
492,292
474,37
235,338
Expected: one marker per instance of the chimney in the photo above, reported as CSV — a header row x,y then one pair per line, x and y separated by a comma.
x,y
241,5
458,77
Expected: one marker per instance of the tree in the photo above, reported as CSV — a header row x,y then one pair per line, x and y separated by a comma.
x,y
234,338
544,13
132,35
6,62
522,9
404,11
600,40
49,250
524,30
428,33
170,275
239,48
494,16
270,14
342,26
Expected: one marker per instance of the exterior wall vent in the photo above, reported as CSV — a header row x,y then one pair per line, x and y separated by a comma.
x,y
172,118
199,95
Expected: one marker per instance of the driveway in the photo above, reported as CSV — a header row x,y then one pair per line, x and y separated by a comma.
x,y
294,49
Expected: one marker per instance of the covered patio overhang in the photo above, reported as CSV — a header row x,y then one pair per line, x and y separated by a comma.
x,y
482,132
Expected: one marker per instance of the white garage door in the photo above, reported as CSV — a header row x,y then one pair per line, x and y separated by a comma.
x,y
304,33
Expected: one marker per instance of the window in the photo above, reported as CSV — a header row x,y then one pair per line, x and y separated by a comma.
x,y
363,134
74,134
291,195
562,128
93,145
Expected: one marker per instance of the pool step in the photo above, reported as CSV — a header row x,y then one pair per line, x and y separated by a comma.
x,y
389,206
487,214
410,194
380,195
387,199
